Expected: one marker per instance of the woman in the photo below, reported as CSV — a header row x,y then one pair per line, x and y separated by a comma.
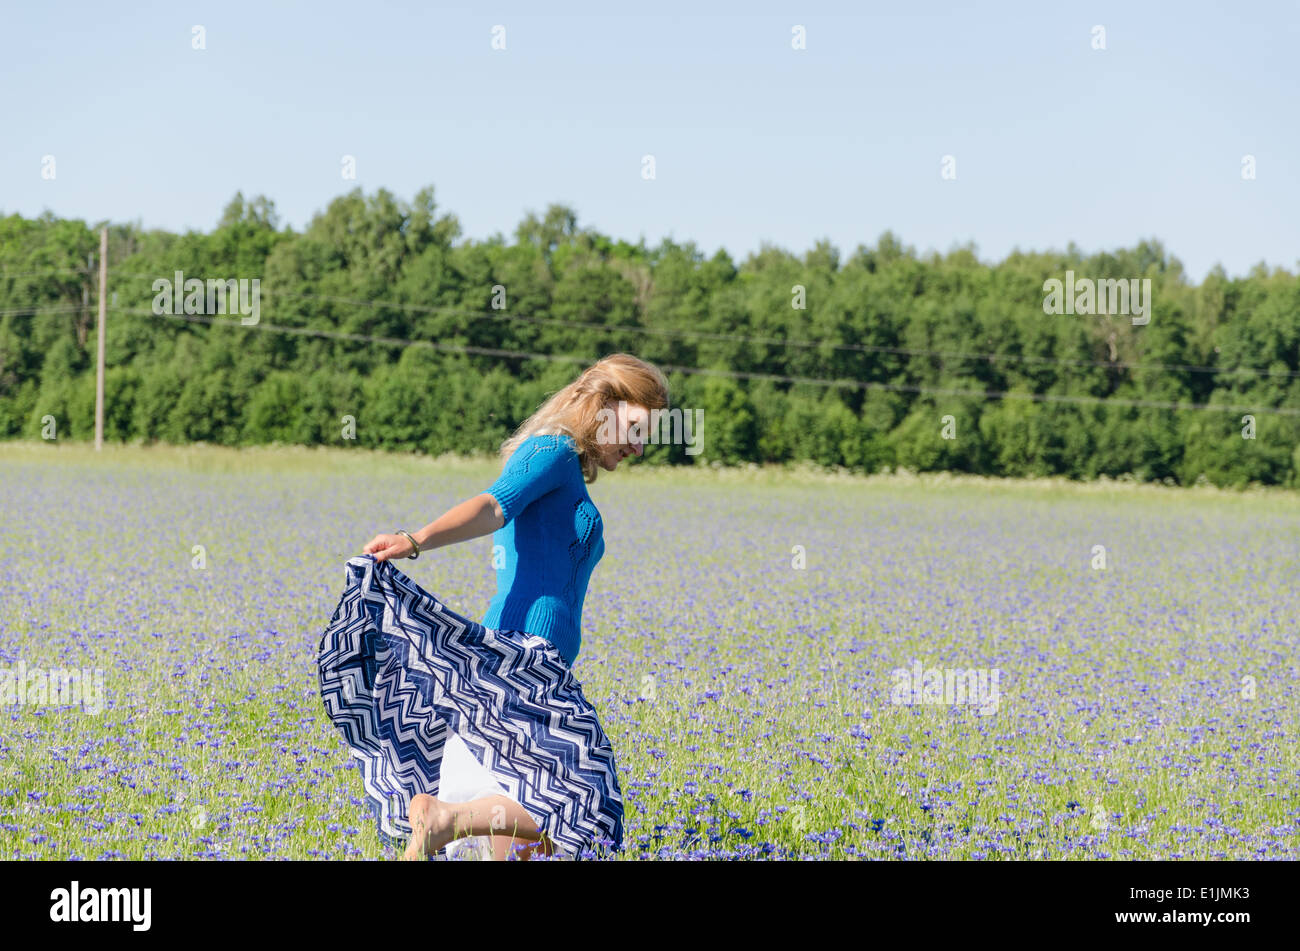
x,y
407,680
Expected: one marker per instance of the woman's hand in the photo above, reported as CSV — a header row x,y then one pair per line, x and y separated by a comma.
x,y
384,547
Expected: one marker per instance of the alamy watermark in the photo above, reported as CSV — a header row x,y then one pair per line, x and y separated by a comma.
x,y
77,904
950,686
39,687
1107,296
195,296
686,427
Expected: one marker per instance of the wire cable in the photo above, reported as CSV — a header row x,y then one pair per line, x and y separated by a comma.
x,y
735,374
452,310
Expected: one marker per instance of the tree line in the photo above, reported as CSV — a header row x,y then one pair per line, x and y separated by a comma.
x,y
380,326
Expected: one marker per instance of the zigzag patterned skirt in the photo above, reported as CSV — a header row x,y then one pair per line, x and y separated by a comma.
x,y
400,671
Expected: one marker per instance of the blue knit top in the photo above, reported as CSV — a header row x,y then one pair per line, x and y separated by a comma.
x,y
552,537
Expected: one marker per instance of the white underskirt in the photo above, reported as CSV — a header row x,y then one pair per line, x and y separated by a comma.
x,y
464,779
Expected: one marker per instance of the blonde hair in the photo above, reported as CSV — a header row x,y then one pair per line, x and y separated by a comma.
x,y
573,410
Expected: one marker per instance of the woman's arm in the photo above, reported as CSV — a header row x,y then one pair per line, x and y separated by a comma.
x,y
469,519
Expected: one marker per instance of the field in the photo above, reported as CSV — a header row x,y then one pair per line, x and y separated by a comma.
x,y
740,639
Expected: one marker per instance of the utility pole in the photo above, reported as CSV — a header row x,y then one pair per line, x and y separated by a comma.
x,y
99,356
82,330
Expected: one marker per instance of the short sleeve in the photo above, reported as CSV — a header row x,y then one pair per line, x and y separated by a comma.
x,y
538,466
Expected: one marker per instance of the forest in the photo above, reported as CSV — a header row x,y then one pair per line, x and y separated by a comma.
x,y
379,325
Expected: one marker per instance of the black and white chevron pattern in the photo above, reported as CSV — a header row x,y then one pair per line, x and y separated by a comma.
x,y
398,669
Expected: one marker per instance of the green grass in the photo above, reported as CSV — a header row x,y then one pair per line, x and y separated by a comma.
x,y
1123,730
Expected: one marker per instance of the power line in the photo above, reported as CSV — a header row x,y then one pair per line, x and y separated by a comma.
x,y
52,309
451,310
45,273
360,338
761,341
735,374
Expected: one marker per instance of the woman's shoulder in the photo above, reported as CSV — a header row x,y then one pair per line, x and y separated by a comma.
x,y
543,455
557,440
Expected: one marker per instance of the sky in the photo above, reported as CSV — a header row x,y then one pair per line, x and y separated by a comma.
x,y
1050,139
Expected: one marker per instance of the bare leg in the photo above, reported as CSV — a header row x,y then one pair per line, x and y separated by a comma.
x,y
505,848
435,823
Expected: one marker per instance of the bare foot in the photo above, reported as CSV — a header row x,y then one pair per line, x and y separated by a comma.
x,y
430,827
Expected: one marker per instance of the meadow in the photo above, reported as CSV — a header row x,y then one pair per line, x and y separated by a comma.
x,y
740,639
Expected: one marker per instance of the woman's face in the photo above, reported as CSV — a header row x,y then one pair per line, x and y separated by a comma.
x,y
627,416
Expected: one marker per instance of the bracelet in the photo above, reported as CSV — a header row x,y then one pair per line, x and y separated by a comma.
x,y
415,546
